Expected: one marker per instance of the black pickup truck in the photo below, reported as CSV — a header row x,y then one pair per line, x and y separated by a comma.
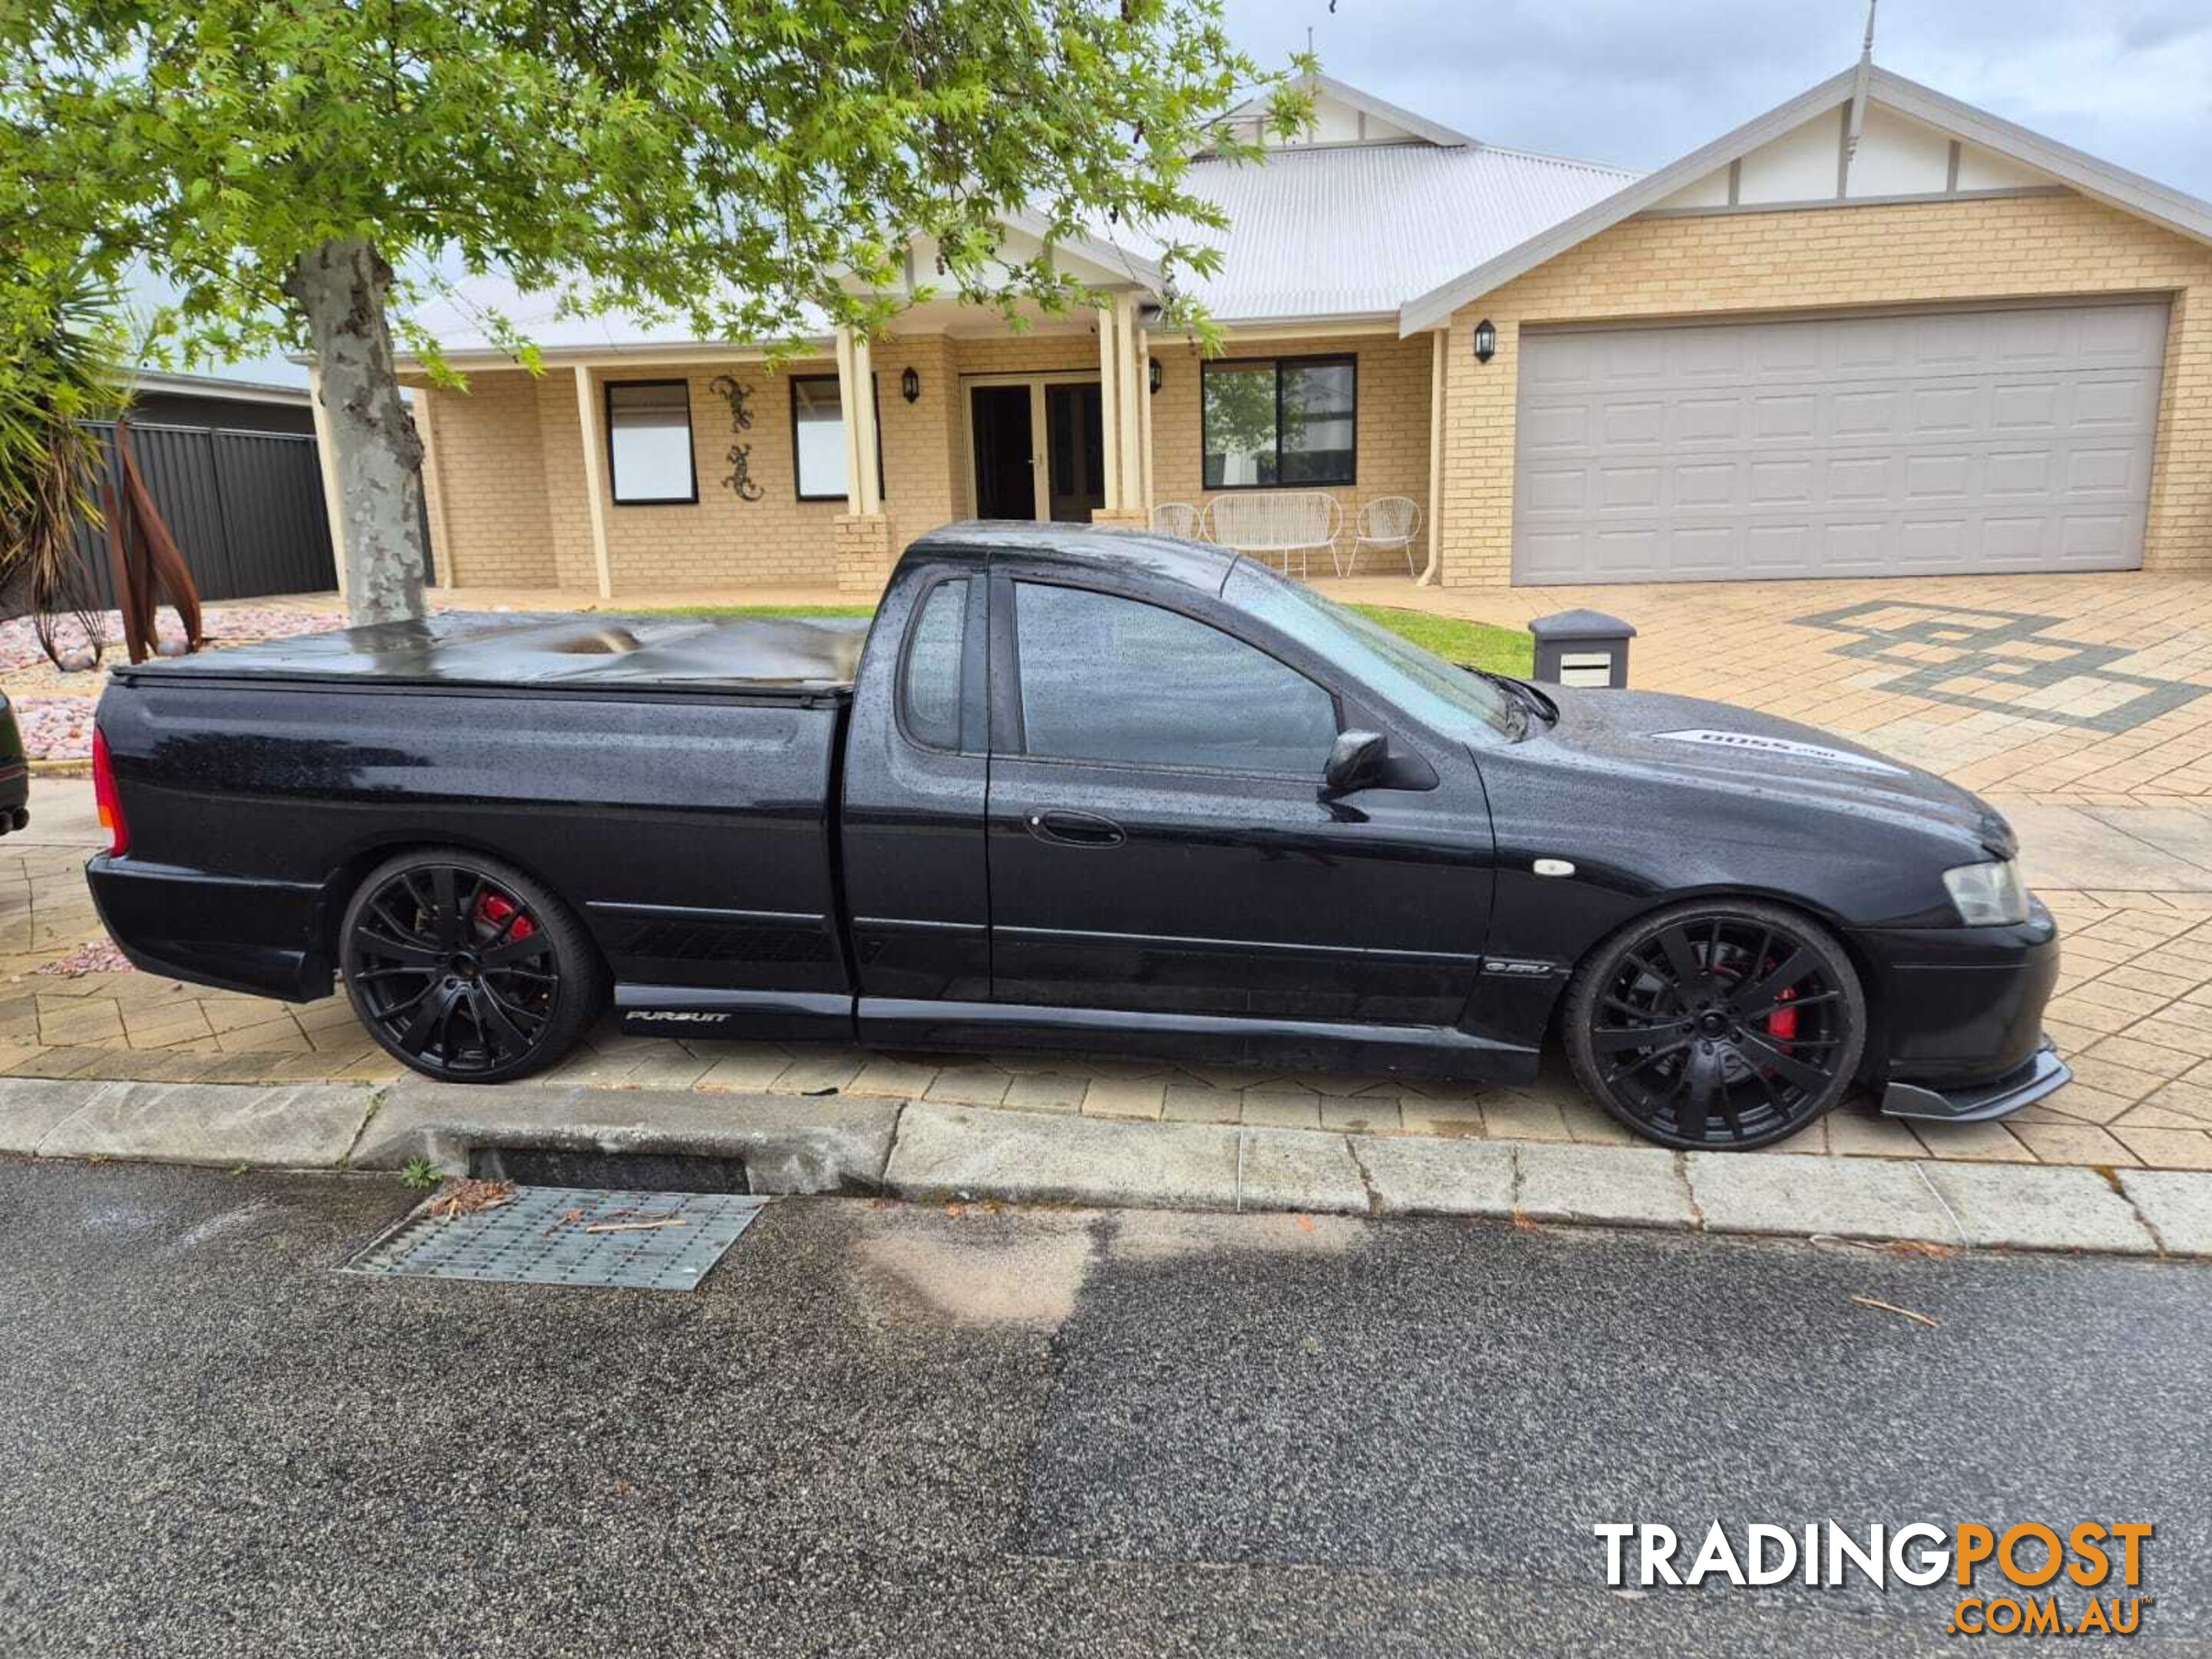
x,y
1071,789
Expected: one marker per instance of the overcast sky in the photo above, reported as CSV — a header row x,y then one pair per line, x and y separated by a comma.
x,y
1639,82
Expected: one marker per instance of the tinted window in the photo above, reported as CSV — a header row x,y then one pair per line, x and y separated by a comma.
x,y
1292,422
1112,679
649,442
1451,699
932,666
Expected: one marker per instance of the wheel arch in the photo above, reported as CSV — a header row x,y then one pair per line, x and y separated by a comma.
x,y
346,877
1876,1049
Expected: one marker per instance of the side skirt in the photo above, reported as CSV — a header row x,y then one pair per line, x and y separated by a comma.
x,y
1300,1045
675,1011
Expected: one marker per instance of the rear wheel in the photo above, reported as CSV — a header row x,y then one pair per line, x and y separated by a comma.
x,y
467,969
1717,1026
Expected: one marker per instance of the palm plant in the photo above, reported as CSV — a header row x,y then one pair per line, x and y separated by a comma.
x,y
60,367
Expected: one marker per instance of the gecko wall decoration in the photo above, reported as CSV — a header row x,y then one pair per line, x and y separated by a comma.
x,y
739,396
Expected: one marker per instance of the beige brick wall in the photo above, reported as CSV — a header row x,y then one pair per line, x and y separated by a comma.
x,y
489,518
1393,423
513,508
2012,247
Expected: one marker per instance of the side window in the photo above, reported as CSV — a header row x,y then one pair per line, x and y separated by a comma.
x,y
929,697
1113,679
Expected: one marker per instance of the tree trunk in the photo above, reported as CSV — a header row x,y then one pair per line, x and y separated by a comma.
x,y
341,289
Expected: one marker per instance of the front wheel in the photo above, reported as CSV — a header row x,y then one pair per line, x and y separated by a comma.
x,y
467,969
1717,1026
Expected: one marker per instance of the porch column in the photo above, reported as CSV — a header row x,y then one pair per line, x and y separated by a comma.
x,y
1145,423
595,476
1109,401
433,487
1440,355
861,398
1132,403
848,408
327,460
862,534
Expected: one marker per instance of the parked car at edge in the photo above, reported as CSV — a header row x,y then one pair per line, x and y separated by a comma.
x,y
14,772
1071,789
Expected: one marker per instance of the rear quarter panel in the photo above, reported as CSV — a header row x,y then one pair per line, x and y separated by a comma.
x,y
689,831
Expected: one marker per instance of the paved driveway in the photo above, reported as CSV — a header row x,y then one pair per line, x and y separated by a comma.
x,y
2070,689
2076,703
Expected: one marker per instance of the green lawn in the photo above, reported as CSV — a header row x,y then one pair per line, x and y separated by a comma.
x,y
1479,645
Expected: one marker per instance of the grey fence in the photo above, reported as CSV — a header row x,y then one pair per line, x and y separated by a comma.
x,y
245,508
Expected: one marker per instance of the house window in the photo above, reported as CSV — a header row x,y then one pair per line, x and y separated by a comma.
x,y
1272,422
817,436
649,442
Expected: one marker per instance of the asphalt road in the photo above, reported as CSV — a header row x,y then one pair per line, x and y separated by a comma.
x,y
883,1430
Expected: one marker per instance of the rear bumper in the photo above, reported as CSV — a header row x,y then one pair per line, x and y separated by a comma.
x,y
260,937
2042,1073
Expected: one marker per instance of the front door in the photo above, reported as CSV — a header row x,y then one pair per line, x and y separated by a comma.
x,y
1073,421
1037,443
1158,842
1005,451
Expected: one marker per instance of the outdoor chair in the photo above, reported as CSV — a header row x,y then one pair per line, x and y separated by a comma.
x,y
1179,519
1387,524
1275,525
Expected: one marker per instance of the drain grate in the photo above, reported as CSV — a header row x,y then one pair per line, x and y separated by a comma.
x,y
544,1238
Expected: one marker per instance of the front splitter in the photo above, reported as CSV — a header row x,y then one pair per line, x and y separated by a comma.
x,y
2042,1073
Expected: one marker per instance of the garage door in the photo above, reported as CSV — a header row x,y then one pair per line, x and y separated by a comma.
x,y
2006,440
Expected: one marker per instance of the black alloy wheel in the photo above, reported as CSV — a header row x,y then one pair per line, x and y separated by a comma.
x,y
1716,1026
467,969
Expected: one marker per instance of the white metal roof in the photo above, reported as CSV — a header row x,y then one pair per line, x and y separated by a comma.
x,y
1320,233
1343,231
1407,230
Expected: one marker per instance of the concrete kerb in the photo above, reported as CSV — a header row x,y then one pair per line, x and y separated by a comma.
x,y
933,1152
787,1143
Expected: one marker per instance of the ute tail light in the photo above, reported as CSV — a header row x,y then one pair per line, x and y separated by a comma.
x,y
105,797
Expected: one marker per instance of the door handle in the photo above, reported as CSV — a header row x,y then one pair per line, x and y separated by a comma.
x,y
1074,829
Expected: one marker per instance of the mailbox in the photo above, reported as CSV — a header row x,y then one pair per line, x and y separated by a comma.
x,y
1582,647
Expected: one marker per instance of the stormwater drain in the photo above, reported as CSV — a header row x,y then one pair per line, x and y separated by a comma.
x,y
584,1236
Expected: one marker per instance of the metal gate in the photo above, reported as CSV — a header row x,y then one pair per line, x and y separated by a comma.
x,y
245,508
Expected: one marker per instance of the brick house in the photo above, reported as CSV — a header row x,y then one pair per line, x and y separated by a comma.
x,y
1873,332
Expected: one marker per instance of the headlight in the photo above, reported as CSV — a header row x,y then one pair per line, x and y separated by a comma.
x,y
1988,895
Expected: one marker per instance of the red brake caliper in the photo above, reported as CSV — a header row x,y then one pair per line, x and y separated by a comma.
x,y
1782,1024
493,910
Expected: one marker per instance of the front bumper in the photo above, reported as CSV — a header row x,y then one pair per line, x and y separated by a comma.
x,y
1955,1010
2042,1073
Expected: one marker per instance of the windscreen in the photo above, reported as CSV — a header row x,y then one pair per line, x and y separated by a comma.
x,y
1449,699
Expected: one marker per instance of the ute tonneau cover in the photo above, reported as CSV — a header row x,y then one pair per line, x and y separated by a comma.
x,y
558,650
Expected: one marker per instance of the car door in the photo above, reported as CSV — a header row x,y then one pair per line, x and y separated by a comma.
x,y
911,822
1159,841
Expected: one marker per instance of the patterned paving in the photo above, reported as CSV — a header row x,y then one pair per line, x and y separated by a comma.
x,y
2133,1014
2091,693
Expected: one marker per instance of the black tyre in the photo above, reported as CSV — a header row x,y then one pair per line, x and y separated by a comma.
x,y
467,969
1717,1026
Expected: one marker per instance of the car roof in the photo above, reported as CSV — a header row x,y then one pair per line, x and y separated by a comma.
x,y
1191,564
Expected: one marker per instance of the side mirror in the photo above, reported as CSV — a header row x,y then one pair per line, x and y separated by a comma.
x,y
1354,759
